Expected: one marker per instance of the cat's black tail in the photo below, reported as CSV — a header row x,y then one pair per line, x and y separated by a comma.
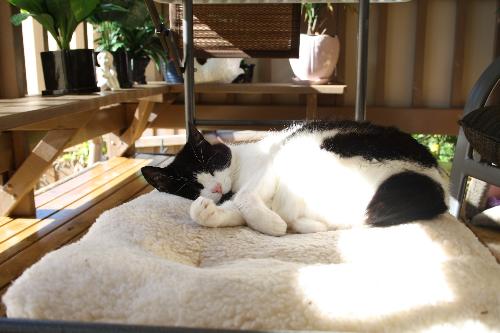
x,y
406,197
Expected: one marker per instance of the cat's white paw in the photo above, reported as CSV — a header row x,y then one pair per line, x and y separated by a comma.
x,y
306,225
203,211
267,222
275,226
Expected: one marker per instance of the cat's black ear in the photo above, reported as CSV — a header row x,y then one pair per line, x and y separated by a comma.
x,y
155,177
195,135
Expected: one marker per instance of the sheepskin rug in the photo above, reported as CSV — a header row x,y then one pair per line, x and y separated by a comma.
x,y
146,262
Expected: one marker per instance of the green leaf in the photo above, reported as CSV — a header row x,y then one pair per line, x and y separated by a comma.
x,y
137,15
48,23
31,6
81,9
19,18
60,11
62,15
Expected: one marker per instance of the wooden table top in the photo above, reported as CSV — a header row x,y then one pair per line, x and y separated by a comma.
x,y
27,110
18,112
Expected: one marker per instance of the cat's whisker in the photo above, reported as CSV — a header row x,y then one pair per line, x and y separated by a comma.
x,y
213,155
201,152
193,148
180,188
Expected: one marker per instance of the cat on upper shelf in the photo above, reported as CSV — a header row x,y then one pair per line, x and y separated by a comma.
x,y
311,177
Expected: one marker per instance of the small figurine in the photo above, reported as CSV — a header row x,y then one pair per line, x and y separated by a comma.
x,y
106,73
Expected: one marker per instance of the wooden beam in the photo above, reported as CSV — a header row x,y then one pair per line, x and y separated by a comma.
x,y
413,120
13,83
456,98
80,36
7,157
105,121
311,106
381,58
26,176
41,157
118,145
418,68
25,207
85,36
261,88
340,69
45,40
40,36
63,122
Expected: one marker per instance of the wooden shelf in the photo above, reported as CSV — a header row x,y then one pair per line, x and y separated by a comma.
x,y
262,88
18,112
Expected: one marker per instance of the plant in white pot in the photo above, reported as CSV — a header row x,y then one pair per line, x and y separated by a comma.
x,y
318,52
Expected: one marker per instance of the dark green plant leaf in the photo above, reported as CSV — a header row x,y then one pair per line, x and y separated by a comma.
x,y
81,9
48,23
136,16
60,10
128,13
31,6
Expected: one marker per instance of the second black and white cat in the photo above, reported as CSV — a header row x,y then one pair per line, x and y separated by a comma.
x,y
308,178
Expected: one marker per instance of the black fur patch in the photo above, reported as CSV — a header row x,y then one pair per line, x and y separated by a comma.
x,y
323,125
406,197
378,143
369,141
197,156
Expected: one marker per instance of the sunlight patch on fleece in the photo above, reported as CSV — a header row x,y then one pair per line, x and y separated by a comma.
x,y
406,243
351,291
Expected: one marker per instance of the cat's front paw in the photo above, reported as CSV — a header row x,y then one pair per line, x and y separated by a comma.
x,y
203,211
275,226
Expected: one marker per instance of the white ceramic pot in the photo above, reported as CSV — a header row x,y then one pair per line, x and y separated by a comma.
x,y
318,56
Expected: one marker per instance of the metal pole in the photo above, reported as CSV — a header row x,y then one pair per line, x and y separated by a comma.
x,y
187,39
364,16
165,36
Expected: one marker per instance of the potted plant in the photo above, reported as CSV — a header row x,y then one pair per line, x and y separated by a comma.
x,y
142,45
130,28
65,70
318,51
108,19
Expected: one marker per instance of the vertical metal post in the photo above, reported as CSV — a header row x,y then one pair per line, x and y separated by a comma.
x,y
165,36
364,16
187,39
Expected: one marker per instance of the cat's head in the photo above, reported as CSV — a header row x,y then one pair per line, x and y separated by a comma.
x,y
200,168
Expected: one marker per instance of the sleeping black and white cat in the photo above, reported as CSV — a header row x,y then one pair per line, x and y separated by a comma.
x,y
308,178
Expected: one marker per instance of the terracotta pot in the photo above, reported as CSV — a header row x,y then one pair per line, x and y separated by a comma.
x,y
318,56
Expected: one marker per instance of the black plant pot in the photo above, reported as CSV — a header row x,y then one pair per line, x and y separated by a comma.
x,y
69,72
139,65
123,68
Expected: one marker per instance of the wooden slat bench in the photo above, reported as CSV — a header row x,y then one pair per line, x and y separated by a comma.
x,y
64,212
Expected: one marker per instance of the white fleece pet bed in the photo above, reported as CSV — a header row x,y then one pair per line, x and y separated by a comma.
x,y
146,262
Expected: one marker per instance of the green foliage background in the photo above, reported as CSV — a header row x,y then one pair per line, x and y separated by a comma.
x,y
441,146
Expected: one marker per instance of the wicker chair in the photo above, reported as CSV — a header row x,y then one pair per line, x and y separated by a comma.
x,y
464,164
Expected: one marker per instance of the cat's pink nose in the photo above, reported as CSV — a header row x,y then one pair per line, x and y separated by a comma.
x,y
217,188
